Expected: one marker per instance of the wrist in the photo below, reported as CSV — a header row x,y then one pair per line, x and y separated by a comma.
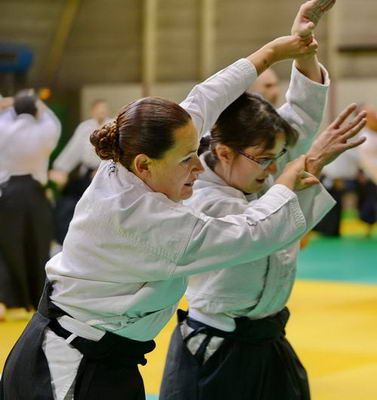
x,y
286,181
314,165
273,52
309,66
263,58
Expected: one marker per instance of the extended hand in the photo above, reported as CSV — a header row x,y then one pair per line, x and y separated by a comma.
x,y
293,46
308,17
294,175
282,48
334,140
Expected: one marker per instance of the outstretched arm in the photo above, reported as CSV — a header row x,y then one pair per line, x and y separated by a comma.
x,y
304,24
207,100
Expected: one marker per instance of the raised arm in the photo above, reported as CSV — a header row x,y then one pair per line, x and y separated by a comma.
x,y
307,93
207,100
304,24
303,110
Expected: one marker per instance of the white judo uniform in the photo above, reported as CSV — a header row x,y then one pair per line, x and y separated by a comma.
x,y
129,250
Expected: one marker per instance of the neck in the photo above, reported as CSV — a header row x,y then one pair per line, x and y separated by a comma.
x,y
219,170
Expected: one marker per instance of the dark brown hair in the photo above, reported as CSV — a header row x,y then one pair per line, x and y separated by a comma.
x,y
249,121
145,126
25,104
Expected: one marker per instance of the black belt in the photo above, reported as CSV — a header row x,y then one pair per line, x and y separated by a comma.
x,y
247,330
110,348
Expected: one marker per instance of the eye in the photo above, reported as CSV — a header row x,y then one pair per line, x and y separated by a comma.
x,y
186,160
264,159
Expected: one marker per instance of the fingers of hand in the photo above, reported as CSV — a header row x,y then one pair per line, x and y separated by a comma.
x,y
310,48
343,115
306,35
317,8
304,180
309,181
351,145
353,128
309,178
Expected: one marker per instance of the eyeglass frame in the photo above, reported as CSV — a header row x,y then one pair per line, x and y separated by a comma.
x,y
264,163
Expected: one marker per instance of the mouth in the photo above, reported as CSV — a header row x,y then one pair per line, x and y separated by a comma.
x,y
261,180
190,184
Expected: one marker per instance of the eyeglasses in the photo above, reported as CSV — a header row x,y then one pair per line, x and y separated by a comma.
x,y
263,162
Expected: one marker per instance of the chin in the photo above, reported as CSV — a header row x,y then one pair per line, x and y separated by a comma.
x,y
255,188
186,194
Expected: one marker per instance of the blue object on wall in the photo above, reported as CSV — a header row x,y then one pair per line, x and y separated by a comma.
x,y
15,57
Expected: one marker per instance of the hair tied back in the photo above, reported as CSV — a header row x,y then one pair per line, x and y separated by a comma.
x,y
106,141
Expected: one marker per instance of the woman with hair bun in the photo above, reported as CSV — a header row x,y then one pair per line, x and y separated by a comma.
x,y
131,244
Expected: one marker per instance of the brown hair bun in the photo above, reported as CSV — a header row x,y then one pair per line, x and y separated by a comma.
x,y
106,142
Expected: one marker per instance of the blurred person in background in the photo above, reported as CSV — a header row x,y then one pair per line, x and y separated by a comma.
x,y
29,132
341,180
368,164
75,166
268,86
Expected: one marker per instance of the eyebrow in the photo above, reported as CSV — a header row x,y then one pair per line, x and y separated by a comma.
x,y
191,151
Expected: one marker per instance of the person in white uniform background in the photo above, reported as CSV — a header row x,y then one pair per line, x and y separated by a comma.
x,y
341,180
367,156
131,243
29,132
75,166
268,86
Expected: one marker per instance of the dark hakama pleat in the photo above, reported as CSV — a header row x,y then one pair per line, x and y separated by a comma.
x,y
26,231
256,362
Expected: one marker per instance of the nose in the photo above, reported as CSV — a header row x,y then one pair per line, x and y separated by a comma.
x,y
198,166
272,168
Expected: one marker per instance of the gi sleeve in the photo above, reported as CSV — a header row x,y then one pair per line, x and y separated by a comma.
x,y
70,157
304,110
315,203
270,223
49,127
207,100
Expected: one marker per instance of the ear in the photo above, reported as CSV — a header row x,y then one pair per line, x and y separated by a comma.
x,y
142,166
224,153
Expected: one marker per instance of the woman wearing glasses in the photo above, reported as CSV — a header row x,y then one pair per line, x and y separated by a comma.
x,y
231,344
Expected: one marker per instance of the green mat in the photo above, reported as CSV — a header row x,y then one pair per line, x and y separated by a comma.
x,y
350,259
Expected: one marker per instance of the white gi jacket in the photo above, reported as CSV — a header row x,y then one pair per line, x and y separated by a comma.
x,y
26,144
129,250
256,288
79,150
260,287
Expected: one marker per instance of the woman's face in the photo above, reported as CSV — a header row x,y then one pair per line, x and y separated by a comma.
x,y
247,175
175,174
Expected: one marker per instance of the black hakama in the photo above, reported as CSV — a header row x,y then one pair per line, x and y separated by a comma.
x,y
26,231
108,368
255,362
